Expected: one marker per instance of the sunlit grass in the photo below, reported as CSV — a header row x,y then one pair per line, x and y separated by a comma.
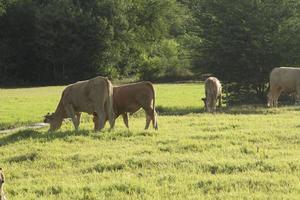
x,y
243,152
28,105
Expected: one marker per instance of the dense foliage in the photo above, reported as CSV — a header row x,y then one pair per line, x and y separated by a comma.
x,y
62,41
65,40
241,41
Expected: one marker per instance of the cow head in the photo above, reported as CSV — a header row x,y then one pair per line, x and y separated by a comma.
x,y
208,104
205,103
54,121
48,118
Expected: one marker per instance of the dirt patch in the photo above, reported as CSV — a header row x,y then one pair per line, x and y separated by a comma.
x,y
32,126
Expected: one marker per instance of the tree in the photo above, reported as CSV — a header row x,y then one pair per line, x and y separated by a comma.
x,y
61,41
241,41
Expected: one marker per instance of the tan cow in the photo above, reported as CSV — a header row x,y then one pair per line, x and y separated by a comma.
x,y
129,98
2,180
213,92
283,79
90,96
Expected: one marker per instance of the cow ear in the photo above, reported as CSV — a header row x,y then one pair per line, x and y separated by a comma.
x,y
48,115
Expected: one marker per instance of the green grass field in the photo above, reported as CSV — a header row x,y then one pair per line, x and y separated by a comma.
x,y
243,152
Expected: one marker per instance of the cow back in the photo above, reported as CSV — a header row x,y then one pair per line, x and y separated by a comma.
x,y
287,78
130,97
213,87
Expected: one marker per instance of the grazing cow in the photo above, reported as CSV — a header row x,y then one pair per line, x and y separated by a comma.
x,y
90,96
130,98
2,180
283,79
213,92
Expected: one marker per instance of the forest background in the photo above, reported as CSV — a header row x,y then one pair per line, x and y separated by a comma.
x,y
55,42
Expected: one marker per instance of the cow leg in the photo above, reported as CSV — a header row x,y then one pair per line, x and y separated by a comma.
x,y
71,113
208,108
111,119
96,122
204,102
151,116
125,119
270,99
101,115
214,105
209,103
273,95
276,96
110,115
78,116
148,120
154,120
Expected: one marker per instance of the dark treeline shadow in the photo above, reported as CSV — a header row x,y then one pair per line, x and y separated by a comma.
x,y
4,126
246,109
240,109
50,136
162,110
38,135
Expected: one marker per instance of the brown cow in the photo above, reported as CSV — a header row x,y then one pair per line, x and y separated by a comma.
x,y
90,96
129,98
283,79
2,180
213,92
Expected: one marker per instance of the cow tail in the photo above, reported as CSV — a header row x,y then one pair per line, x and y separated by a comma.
x,y
109,104
154,114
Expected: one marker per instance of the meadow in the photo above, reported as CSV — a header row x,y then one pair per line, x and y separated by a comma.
x,y
244,152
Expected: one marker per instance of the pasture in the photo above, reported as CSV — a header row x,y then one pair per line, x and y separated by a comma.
x,y
243,152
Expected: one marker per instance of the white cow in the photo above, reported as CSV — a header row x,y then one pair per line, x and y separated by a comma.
x,y
94,96
213,92
285,79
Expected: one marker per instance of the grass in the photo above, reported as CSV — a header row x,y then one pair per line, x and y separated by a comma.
x,y
26,105
240,153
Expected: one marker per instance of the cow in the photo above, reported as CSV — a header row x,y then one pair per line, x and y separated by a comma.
x,y
94,96
283,79
129,98
2,180
213,92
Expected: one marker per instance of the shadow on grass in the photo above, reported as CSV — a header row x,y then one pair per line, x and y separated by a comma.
x,y
36,135
162,110
50,136
4,125
248,109
242,109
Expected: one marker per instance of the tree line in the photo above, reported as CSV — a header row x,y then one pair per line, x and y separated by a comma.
x,y
61,41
